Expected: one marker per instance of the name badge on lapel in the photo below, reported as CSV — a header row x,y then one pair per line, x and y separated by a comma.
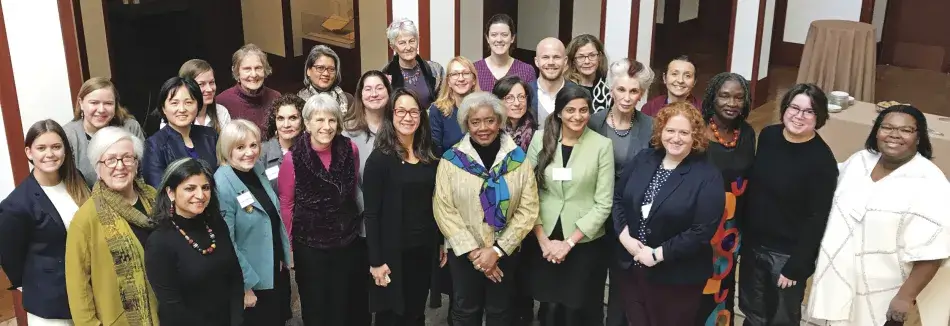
x,y
272,172
562,174
245,200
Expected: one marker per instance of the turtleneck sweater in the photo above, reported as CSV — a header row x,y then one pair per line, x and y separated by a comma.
x,y
249,106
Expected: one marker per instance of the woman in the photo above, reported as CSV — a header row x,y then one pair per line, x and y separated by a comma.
x,y
211,114
791,188
190,259
318,181
575,176
362,123
252,213
629,132
284,124
97,107
731,149
181,137
891,190
322,76
249,99
459,82
587,67
33,221
521,121
500,35
407,69
105,260
485,203
666,207
401,233
679,78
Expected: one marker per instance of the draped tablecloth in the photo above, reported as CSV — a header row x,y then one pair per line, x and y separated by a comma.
x,y
839,55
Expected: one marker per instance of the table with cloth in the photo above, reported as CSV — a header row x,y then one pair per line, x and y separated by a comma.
x,y
840,55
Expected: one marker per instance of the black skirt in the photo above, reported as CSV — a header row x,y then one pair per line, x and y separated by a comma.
x,y
577,281
273,305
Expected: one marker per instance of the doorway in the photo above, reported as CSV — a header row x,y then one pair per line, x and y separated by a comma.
x,y
697,29
914,35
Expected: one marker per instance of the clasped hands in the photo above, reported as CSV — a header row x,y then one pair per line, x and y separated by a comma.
x,y
554,251
641,253
485,260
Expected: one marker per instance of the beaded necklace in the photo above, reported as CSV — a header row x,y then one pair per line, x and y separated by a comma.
x,y
715,130
194,244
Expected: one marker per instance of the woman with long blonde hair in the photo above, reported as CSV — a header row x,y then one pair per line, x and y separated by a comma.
x,y
460,80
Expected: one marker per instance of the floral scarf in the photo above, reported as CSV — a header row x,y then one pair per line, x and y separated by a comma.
x,y
522,133
494,194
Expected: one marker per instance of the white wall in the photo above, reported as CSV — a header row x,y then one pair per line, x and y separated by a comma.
x,y
39,70
743,45
617,32
689,9
406,9
374,46
537,20
645,32
766,49
877,19
263,25
658,16
586,18
801,13
442,34
470,34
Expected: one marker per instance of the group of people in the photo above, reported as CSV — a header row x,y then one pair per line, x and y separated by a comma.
x,y
487,181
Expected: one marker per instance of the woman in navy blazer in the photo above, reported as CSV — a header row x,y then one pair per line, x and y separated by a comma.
x,y
250,207
667,205
33,223
179,138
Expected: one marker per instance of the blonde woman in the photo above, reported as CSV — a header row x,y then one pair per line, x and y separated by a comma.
x,y
97,107
460,81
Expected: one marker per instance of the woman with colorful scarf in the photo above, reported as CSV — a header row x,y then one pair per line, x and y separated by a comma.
x,y
105,260
486,202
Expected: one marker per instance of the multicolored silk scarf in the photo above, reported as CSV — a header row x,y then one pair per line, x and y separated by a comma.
x,y
494,194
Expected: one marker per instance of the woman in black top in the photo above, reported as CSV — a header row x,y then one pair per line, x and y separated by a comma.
x,y
731,139
189,258
401,233
791,187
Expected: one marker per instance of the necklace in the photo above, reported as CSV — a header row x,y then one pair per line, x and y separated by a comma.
x,y
194,244
715,130
623,133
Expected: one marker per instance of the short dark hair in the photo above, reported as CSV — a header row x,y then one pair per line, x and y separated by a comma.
x,y
923,135
387,142
504,86
284,100
684,58
176,173
819,101
709,98
501,19
170,88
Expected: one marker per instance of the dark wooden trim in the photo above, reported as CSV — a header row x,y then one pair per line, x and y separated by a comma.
x,y
758,98
425,17
565,22
653,31
70,47
867,11
81,39
761,88
288,23
634,30
458,32
603,19
389,20
732,34
889,33
671,13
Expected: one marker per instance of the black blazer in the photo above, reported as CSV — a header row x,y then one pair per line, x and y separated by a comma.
x,y
32,249
167,145
682,220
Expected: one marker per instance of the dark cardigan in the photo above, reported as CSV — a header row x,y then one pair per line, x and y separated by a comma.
x,y
392,69
325,213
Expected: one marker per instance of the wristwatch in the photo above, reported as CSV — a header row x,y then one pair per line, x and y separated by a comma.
x,y
570,242
498,251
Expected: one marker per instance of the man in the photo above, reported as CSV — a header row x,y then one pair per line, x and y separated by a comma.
x,y
550,58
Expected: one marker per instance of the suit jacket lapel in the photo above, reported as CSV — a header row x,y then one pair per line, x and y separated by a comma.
x,y
239,186
46,205
674,181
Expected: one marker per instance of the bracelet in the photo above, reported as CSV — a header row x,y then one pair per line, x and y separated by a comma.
x,y
570,242
654,255
498,251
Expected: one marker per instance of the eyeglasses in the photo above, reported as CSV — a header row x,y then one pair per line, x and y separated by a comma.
x,y
903,131
464,74
805,113
323,69
510,99
590,57
113,162
402,113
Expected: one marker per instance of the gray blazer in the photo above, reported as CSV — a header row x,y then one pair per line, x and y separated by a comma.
x,y
271,158
639,140
78,141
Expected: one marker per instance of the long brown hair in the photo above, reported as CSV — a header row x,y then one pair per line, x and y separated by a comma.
x,y
447,98
355,118
191,69
75,184
387,142
95,84
575,45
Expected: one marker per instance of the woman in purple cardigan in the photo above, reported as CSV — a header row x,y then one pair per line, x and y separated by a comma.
x,y
317,185
249,99
500,35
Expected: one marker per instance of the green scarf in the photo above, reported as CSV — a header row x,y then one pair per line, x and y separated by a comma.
x,y
128,255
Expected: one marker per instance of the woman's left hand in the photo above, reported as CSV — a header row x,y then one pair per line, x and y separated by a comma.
x,y
443,256
784,282
486,260
899,308
645,257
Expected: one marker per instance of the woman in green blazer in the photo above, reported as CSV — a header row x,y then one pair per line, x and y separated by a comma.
x,y
575,175
251,209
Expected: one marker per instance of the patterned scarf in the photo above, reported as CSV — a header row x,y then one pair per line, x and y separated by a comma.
x,y
494,194
128,255
336,93
523,133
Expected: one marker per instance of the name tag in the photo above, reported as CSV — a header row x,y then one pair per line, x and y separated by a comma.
x,y
645,210
272,172
245,199
562,174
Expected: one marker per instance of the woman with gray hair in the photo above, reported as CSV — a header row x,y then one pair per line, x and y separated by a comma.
x,y
317,189
407,69
322,76
105,259
486,202
249,99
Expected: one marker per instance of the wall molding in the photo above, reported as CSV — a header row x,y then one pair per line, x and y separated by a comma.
x,y
758,95
74,70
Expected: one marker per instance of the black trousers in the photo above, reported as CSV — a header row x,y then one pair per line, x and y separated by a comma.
x,y
333,284
273,305
475,295
416,278
615,314
760,299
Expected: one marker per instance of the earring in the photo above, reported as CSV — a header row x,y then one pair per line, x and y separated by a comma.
x,y
171,208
